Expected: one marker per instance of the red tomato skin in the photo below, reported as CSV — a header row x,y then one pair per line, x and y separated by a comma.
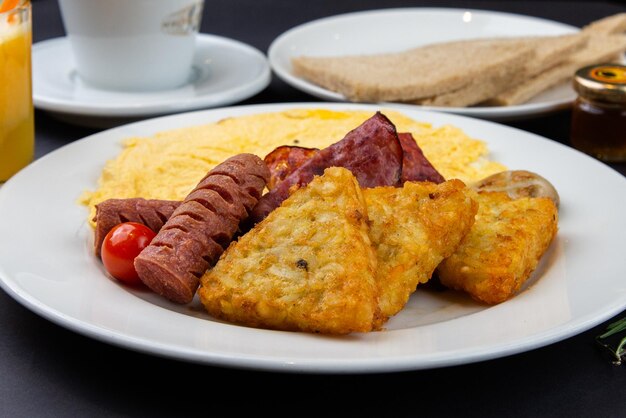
x,y
121,245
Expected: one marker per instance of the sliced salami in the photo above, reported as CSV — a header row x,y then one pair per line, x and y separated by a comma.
x,y
415,165
372,151
284,160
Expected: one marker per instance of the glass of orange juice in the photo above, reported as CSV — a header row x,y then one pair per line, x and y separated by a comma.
x,y
17,135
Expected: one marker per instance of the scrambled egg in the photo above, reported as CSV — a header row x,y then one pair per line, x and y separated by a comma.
x,y
169,164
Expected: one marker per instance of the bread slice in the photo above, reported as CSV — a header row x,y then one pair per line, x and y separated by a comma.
x,y
549,52
599,48
554,50
309,266
610,25
421,72
489,71
499,80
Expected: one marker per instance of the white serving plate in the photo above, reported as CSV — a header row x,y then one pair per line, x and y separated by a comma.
x,y
47,264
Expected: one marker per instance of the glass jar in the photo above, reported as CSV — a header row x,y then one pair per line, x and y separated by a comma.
x,y
599,112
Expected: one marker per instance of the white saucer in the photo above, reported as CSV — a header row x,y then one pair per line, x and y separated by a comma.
x,y
225,71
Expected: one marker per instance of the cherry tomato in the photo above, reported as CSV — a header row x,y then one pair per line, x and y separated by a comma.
x,y
121,245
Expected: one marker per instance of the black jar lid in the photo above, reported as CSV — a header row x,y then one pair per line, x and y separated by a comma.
x,y
604,82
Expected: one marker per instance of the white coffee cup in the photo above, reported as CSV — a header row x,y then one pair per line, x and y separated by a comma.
x,y
133,45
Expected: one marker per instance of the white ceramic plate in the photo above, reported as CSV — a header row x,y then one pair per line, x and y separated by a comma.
x,y
392,30
225,71
46,263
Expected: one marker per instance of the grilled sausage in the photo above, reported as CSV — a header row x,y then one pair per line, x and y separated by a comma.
x,y
201,228
518,183
152,213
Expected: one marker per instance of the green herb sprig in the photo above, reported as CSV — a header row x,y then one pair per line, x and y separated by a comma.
x,y
618,352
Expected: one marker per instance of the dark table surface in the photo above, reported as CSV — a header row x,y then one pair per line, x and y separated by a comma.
x,y
47,370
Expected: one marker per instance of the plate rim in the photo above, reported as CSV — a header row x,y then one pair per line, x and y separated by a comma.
x,y
245,89
495,113
370,365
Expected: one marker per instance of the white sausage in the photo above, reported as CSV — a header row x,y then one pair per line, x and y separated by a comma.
x,y
518,183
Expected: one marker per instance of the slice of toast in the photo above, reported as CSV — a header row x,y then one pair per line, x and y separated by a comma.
x,y
420,72
413,228
610,25
599,48
481,90
549,51
309,266
503,247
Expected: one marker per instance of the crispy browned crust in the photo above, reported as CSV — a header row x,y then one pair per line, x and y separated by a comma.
x,y
309,266
413,228
503,247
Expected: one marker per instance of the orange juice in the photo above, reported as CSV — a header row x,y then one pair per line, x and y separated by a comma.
x,y
17,138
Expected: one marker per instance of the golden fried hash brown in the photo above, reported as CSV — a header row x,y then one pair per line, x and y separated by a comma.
x,y
308,266
503,247
413,229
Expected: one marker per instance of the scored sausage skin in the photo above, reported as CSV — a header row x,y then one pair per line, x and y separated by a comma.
x,y
201,228
152,213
